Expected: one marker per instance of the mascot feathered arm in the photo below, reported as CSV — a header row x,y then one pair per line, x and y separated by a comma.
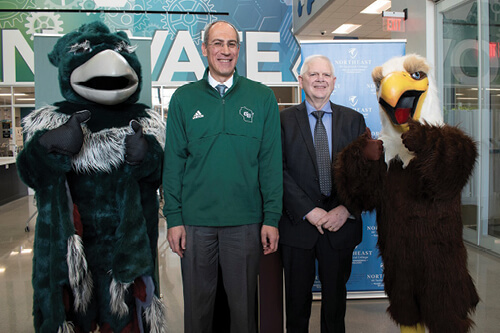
x,y
48,153
144,158
444,159
42,165
359,174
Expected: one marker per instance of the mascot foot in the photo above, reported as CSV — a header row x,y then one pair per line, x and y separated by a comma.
x,y
419,328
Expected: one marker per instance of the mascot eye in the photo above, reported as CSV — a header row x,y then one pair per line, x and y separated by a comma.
x,y
419,75
125,47
81,48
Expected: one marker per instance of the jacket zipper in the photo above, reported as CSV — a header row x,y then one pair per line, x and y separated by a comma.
x,y
223,115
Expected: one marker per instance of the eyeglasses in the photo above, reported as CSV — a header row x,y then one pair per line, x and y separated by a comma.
x,y
232,45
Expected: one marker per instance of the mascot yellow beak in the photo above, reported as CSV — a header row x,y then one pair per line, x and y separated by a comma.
x,y
401,95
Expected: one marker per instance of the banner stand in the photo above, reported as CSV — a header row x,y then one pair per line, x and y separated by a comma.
x,y
354,61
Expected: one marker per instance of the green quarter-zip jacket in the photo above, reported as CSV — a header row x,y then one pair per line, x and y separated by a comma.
x,y
223,162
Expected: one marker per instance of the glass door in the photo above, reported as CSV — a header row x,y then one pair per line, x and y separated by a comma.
x,y
469,51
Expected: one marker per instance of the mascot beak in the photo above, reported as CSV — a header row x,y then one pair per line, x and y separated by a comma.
x,y
106,78
401,95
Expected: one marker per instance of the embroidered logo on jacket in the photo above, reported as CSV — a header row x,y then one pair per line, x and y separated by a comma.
x,y
247,114
198,114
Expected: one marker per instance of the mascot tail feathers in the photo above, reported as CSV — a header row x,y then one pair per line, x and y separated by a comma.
x,y
80,278
155,316
66,327
117,291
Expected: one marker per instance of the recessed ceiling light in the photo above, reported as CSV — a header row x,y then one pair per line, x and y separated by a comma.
x,y
345,29
377,7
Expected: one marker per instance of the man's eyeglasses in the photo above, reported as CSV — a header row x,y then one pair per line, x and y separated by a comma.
x,y
232,45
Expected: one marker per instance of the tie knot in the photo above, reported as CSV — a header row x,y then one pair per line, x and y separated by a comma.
x,y
318,114
221,88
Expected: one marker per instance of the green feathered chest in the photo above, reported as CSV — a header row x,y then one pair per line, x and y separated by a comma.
x,y
103,147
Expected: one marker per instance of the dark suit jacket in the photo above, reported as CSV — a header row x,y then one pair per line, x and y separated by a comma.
x,y
301,180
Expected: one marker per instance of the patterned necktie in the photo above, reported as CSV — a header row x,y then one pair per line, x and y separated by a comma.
x,y
221,88
322,154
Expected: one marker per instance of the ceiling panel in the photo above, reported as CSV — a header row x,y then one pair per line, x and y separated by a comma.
x,y
345,11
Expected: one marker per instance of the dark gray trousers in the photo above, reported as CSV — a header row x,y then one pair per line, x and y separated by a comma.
x,y
334,270
238,250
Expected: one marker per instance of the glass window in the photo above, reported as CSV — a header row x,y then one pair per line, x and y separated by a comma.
x,y
15,103
470,52
286,96
5,96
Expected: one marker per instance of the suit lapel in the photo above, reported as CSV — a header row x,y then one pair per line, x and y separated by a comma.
x,y
336,129
305,130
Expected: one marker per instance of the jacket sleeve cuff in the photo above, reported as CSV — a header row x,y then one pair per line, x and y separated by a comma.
x,y
174,220
271,219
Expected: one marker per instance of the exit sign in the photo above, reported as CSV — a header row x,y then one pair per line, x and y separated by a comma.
x,y
396,24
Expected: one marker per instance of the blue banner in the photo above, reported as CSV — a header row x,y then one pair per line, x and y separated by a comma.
x,y
353,62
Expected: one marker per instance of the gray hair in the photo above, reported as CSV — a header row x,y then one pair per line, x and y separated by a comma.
x,y
211,24
309,59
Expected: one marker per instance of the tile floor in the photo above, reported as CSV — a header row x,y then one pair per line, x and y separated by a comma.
x,y
362,315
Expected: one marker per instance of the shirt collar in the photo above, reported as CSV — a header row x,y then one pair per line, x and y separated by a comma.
x,y
214,83
327,108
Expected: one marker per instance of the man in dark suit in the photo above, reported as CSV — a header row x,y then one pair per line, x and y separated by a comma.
x,y
315,225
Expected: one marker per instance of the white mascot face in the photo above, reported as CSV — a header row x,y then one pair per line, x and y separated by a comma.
x,y
107,63
404,91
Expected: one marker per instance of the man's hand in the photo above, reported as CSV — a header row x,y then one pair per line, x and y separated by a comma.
x,y
314,217
177,239
269,236
335,219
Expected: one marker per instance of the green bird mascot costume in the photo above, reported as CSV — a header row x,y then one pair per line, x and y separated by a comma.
x,y
94,161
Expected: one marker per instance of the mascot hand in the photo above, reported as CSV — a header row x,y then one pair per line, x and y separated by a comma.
x,y
415,139
67,139
373,149
136,145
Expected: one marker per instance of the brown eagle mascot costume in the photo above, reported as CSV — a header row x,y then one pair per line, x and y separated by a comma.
x,y
416,192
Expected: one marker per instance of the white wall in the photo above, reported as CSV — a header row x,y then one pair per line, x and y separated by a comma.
x,y
420,29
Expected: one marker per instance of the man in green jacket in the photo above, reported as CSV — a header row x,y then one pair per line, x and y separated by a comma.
x,y
223,183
